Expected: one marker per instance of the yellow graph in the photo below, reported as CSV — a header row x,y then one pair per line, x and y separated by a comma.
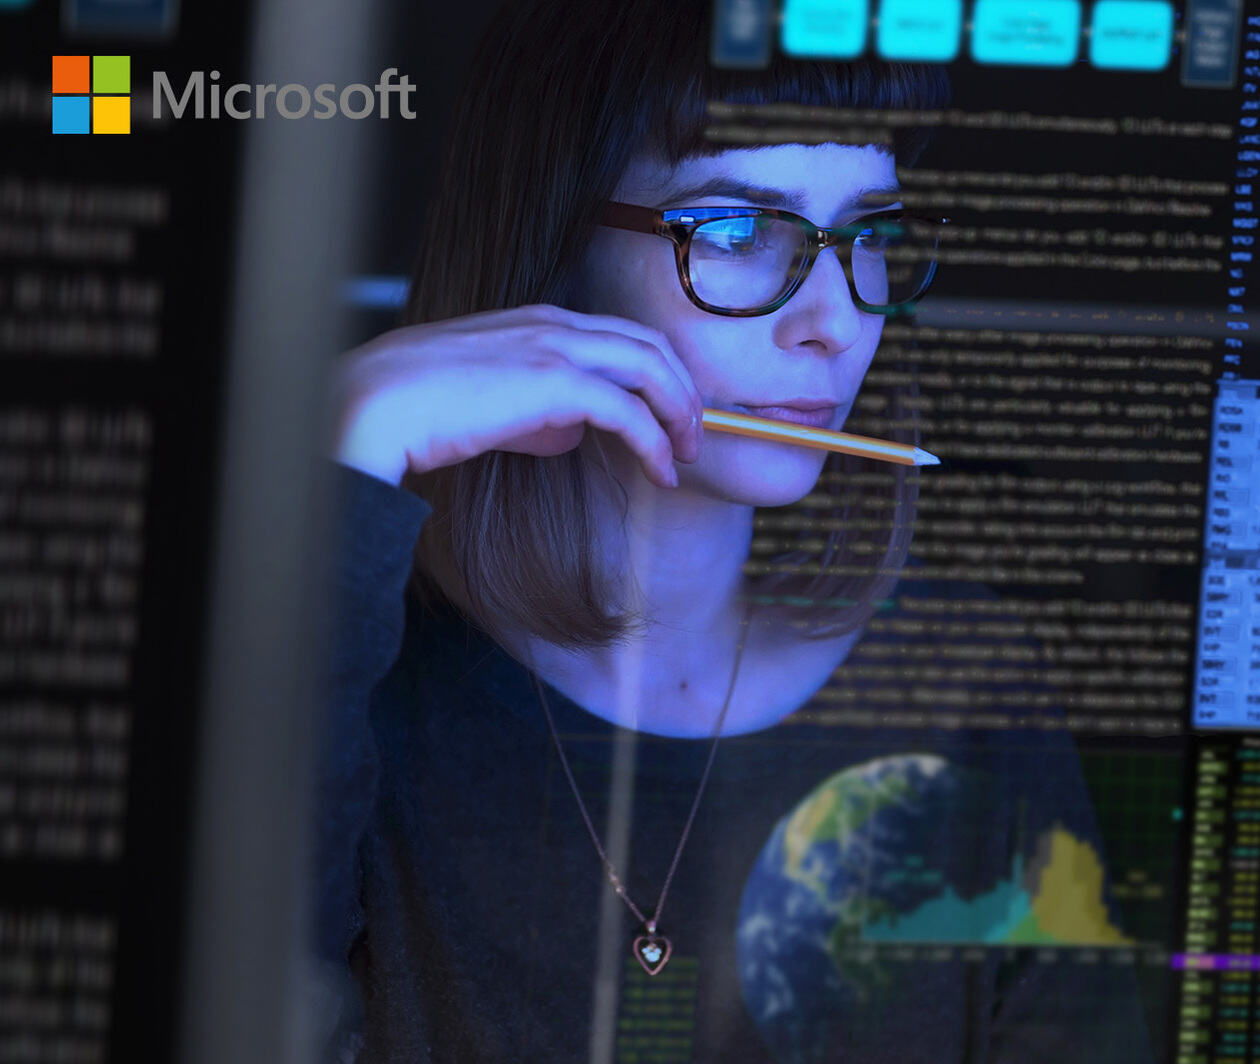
x,y
1068,905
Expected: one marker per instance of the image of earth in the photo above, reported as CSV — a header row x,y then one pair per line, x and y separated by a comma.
x,y
873,841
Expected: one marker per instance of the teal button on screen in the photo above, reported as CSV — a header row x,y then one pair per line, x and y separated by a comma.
x,y
1022,33
928,30
1131,34
832,29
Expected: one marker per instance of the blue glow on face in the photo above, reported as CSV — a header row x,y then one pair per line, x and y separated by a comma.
x,y
818,345
1131,34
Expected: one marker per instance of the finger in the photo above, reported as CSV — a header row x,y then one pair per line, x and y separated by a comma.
x,y
544,314
577,397
630,327
633,355
638,366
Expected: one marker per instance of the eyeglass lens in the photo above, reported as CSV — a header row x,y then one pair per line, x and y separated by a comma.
x,y
748,262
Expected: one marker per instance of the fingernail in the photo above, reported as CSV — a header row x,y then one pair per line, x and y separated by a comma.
x,y
672,478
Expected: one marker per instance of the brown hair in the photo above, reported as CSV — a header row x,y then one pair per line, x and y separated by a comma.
x,y
560,96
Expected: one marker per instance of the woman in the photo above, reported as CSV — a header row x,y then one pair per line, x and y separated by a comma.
x,y
548,807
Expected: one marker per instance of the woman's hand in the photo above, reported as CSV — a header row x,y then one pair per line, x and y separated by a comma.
x,y
529,379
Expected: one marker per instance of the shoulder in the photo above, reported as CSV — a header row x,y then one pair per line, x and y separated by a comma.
x,y
448,665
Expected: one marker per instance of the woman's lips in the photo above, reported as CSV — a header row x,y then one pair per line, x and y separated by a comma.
x,y
818,418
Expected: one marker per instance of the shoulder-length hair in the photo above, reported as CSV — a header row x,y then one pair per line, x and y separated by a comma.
x,y
560,96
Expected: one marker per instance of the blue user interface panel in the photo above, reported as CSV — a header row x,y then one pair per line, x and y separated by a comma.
x,y
1136,35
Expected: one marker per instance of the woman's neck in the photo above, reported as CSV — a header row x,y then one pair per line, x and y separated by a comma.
x,y
678,558
676,555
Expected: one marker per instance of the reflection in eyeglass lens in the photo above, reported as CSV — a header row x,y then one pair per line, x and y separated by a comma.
x,y
747,262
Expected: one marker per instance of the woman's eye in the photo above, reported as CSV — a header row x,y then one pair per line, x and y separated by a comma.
x,y
879,236
870,240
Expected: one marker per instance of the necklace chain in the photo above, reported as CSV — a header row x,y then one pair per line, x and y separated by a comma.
x,y
609,871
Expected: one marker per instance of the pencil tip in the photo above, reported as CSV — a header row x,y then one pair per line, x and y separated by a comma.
x,y
922,457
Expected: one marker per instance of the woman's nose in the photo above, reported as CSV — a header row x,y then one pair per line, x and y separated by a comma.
x,y
822,310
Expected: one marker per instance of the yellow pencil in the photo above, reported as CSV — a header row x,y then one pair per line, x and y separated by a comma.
x,y
764,428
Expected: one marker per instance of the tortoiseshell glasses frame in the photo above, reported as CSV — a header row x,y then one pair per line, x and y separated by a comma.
x,y
679,227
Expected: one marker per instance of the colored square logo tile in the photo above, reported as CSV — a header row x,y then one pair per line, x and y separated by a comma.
x,y
111,114
71,73
71,114
111,73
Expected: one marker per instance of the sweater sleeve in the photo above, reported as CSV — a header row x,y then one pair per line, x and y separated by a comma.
x,y
376,527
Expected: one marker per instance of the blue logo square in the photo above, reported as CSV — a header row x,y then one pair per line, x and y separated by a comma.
x,y
72,114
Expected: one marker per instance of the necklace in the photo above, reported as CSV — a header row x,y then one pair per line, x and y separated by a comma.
x,y
651,949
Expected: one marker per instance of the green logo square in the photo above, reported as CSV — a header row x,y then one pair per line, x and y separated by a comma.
x,y
111,73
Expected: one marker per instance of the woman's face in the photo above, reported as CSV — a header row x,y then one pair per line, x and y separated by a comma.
x,y
813,350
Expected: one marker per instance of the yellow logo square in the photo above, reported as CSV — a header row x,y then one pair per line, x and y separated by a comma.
x,y
111,114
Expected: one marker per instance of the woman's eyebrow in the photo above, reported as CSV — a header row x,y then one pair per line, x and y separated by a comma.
x,y
876,196
787,199
733,188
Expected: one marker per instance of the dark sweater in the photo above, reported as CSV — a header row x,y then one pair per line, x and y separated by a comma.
x,y
462,899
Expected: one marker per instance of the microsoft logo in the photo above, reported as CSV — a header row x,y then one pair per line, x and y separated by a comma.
x,y
91,94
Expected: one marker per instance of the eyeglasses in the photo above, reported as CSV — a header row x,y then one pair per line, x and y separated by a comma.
x,y
746,261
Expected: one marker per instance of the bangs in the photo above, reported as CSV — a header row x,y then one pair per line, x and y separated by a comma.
x,y
684,124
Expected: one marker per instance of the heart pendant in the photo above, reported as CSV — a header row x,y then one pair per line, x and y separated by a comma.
x,y
652,952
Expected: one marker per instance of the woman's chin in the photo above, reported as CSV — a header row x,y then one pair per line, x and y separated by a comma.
x,y
760,474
